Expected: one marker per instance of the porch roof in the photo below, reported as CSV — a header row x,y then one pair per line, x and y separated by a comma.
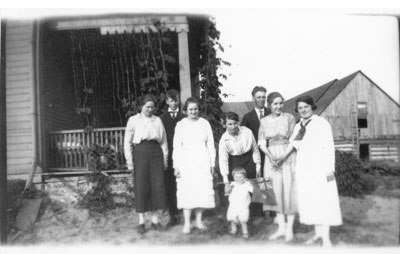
x,y
135,24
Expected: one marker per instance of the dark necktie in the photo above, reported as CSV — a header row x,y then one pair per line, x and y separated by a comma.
x,y
302,131
173,114
261,114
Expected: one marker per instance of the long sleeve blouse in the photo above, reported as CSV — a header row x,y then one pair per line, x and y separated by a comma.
x,y
140,128
237,145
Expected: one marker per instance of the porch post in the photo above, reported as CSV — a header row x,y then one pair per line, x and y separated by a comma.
x,y
184,66
3,138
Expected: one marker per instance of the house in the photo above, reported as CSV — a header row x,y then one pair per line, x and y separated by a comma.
x,y
65,73
364,119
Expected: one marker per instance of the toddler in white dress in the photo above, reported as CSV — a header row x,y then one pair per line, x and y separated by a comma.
x,y
239,200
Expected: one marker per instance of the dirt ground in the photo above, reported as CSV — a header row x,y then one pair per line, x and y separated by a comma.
x,y
372,221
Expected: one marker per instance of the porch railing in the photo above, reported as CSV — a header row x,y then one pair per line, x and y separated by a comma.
x,y
68,148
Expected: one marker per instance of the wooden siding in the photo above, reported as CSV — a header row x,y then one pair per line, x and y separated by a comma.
x,y
383,113
380,152
19,82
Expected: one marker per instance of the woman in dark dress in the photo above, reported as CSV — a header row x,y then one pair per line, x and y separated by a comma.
x,y
146,153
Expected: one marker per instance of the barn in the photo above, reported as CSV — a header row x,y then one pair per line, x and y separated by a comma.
x,y
65,74
365,120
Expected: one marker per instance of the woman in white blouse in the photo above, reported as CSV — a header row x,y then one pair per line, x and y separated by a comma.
x,y
146,153
238,148
194,161
318,198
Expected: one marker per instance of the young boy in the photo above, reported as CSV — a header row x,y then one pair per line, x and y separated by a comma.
x,y
239,200
169,119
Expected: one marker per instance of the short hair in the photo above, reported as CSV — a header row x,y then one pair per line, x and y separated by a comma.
x,y
144,99
239,170
258,89
231,116
191,100
172,94
272,96
307,100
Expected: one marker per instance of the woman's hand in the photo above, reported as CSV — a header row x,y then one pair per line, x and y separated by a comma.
x,y
272,160
278,161
227,189
212,170
330,176
177,173
258,170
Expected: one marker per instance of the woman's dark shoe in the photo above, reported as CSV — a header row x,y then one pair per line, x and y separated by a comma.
x,y
172,222
141,229
156,227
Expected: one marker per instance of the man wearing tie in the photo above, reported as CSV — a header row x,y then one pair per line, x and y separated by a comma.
x,y
252,121
169,119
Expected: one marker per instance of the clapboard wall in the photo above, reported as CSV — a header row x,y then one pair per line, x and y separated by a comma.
x,y
19,83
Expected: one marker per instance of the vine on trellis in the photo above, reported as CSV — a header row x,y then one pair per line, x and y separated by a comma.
x,y
110,72
209,82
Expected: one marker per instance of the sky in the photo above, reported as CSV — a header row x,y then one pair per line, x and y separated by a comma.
x,y
291,50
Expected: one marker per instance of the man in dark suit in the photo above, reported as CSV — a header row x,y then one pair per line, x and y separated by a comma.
x,y
252,121
170,118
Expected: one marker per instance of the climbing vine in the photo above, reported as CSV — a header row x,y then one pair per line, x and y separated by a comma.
x,y
209,82
111,71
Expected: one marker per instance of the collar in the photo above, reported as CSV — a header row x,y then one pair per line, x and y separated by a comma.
x,y
173,111
228,136
307,120
143,116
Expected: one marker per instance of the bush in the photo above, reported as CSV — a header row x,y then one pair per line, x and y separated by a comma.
x,y
385,168
351,178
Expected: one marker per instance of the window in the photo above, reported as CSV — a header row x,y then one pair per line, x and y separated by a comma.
x,y
362,123
362,108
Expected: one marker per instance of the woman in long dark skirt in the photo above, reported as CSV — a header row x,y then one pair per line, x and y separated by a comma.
x,y
146,153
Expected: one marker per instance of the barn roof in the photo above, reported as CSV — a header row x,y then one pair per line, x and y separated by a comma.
x,y
239,108
322,96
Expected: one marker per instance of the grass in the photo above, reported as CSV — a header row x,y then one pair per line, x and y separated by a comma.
x,y
62,221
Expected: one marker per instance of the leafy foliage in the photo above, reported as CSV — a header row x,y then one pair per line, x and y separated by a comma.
x,y
350,176
99,197
209,82
110,72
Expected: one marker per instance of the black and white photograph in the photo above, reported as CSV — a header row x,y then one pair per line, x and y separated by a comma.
x,y
177,128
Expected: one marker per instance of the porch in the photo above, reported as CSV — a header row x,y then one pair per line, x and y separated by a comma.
x,y
92,70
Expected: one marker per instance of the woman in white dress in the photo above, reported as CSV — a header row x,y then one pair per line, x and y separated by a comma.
x,y
194,160
318,198
275,129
